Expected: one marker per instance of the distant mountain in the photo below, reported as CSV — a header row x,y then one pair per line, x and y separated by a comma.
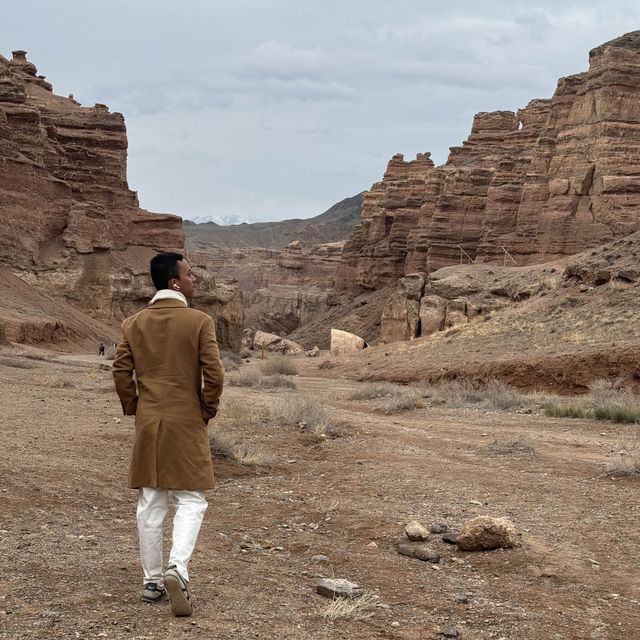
x,y
333,225
223,221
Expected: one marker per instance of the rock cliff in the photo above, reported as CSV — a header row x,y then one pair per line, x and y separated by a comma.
x,y
72,228
548,181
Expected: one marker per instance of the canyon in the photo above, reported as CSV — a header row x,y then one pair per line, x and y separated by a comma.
x,y
73,231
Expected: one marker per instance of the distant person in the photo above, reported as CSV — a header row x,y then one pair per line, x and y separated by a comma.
x,y
174,353
101,349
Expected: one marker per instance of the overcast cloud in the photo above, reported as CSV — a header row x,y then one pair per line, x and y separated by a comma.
x,y
273,109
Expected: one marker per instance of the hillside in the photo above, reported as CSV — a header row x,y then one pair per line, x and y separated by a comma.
x,y
333,225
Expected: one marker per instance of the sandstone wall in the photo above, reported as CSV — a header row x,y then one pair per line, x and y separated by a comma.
x,y
551,180
72,228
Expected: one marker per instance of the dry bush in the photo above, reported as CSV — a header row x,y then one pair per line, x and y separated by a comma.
x,y
247,378
461,394
231,356
326,364
110,353
255,379
227,446
16,363
566,411
350,608
510,448
281,365
379,390
56,382
245,353
307,412
229,365
277,381
627,460
397,403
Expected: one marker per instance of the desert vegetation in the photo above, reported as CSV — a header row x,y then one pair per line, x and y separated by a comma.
x,y
608,399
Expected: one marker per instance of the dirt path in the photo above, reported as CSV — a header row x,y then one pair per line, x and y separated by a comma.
x,y
68,538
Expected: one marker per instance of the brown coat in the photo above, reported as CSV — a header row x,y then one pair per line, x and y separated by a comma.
x,y
174,353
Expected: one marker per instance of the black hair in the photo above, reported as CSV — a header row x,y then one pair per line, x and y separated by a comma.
x,y
164,267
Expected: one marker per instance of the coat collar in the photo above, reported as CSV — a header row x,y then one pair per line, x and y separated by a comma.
x,y
166,295
167,303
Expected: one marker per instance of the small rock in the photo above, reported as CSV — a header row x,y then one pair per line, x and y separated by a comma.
x,y
415,531
484,533
320,559
451,632
450,538
338,588
395,623
419,551
462,600
313,353
373,545
438,527
48,613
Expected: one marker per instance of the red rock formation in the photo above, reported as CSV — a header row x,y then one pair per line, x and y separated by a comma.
x,y
548,181
72,228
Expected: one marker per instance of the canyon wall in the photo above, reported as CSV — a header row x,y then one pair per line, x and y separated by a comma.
x,y
548,181
72,228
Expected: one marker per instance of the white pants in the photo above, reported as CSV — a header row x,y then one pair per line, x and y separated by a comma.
x,y
153,505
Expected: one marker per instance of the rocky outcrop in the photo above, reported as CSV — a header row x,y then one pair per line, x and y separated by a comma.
x,y
423,304
548,181
72,228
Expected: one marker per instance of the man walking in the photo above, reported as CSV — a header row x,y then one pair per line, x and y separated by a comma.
x,y
174,354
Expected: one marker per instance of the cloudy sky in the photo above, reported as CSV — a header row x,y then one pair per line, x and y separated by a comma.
x,y
273,109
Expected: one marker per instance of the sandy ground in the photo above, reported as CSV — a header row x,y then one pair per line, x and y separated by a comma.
x,y
68,539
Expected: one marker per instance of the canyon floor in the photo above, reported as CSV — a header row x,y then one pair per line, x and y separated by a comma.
x,y
69,543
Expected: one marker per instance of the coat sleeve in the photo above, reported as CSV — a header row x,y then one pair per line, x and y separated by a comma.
x,y
212,370
123,367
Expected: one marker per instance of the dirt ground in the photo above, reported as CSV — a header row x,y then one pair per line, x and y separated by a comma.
x,y
68,541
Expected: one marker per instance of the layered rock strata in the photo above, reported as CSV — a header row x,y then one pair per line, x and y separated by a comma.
x,y
547,181
72,228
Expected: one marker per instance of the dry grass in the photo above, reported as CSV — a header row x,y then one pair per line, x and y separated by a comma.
x,y
608,400
16,363
228,446
253,378
627,460
378,390
461,394
352,609
280,365
307,412
510,448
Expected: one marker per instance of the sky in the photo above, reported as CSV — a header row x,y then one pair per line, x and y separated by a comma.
x,y
275,109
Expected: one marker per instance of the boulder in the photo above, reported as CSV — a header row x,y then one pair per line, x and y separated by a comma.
x,y
484,533
344,342
432,314
274,343
313,353
400,319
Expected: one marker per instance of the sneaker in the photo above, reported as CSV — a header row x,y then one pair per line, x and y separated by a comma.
x,y
152,592
176,586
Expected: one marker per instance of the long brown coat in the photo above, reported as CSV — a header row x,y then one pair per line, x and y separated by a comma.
x,y
174,353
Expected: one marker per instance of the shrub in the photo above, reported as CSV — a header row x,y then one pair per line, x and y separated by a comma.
x,y
230,365
617,414
326,364
627,461
307,412
567,411
248,378
398,403
378,390
224,445
277,381
460,394
231,356
281,365
253,378
245,353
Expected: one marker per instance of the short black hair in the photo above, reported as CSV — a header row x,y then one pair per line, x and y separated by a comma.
x,y
164,266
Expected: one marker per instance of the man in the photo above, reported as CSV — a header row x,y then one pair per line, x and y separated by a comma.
x,y
174,354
